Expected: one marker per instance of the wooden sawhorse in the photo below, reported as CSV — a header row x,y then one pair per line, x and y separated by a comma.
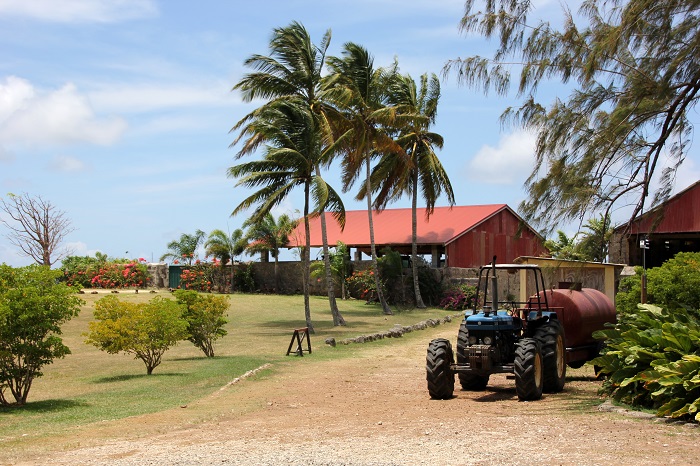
x,y
300,334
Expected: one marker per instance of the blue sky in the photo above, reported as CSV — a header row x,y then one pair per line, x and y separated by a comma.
x,y
119,111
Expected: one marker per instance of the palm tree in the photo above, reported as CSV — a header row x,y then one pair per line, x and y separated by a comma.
x,y
185,248
293,72
268,235
360,91
421,166
225,247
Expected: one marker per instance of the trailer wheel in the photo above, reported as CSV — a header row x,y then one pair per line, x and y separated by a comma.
x,y
441,379
528,370
551,339
471,382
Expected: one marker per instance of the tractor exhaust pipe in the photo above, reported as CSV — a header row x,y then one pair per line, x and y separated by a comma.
x,y
494,287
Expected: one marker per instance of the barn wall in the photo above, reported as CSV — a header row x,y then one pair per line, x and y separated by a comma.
x,y
497,236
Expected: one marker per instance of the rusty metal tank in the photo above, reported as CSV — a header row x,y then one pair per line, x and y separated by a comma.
x,y
581,312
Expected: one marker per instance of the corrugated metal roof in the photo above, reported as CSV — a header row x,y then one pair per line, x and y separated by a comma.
x,y
679,214
393,226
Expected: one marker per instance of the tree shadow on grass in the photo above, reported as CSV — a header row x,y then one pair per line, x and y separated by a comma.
x,y
128,377
43,406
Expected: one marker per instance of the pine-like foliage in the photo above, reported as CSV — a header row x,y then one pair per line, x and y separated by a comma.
x,y
632,70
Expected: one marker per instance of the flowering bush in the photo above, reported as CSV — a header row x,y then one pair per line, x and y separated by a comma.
x,y
362,284
459,297
121,275
90,272
197,278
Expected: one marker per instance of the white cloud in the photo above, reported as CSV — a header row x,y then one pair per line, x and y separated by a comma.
x,y
79,11
67,164
510,161
34,117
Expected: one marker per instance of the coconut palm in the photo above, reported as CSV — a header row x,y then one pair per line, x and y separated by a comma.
x,y
420,168
269,236
288,133
360,91
292,72
184,248
226,247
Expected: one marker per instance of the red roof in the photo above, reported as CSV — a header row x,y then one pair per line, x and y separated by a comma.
x,y
393,226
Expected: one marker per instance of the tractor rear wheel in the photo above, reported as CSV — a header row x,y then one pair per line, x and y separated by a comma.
x,y
471,382
441,379
528,370
551,338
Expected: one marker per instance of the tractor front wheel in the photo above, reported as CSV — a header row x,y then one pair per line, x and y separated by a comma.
x,y
528,370
551,338
468,381
441,379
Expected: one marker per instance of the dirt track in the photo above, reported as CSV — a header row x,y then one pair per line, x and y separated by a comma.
x,y
376,411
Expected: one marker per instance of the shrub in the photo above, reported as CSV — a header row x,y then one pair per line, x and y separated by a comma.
x,y
197,278
676,284
459,297
652,359
90,272
652,355
243,279
33,306
205,316
145,330
362,284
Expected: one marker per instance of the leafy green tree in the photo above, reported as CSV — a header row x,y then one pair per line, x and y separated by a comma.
x,y
395,174
33,306
635,76
293,73
184,248
205,316
226,248
360,91
145,330
269,236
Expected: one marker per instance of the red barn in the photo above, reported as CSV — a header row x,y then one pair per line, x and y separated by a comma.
x,y
464,236
670,228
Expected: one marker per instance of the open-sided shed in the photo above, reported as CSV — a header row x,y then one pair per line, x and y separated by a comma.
x,y
462,236
670,228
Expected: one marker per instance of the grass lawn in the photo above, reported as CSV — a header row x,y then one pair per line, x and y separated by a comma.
x,y
91,386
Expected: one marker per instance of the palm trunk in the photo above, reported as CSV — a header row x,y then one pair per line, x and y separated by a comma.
x,y
337,317
307,261
414,234
375,267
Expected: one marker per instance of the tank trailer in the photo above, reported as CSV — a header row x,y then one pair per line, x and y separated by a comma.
x,y
534,339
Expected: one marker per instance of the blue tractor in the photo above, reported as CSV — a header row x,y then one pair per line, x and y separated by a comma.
x,y
523,338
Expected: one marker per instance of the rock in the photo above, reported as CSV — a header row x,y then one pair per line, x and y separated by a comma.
x,y
330,342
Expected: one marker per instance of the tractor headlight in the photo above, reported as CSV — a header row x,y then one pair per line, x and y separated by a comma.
x,y
472,340
488,340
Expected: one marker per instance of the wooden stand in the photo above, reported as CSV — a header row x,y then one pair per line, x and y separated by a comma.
x,y
299,335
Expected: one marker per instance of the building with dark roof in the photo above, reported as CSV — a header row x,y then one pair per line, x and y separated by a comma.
x,y
670,228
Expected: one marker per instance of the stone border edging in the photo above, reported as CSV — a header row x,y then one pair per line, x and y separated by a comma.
x,y
396,331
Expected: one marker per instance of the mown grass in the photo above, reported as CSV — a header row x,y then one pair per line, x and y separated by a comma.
x,y
90,386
